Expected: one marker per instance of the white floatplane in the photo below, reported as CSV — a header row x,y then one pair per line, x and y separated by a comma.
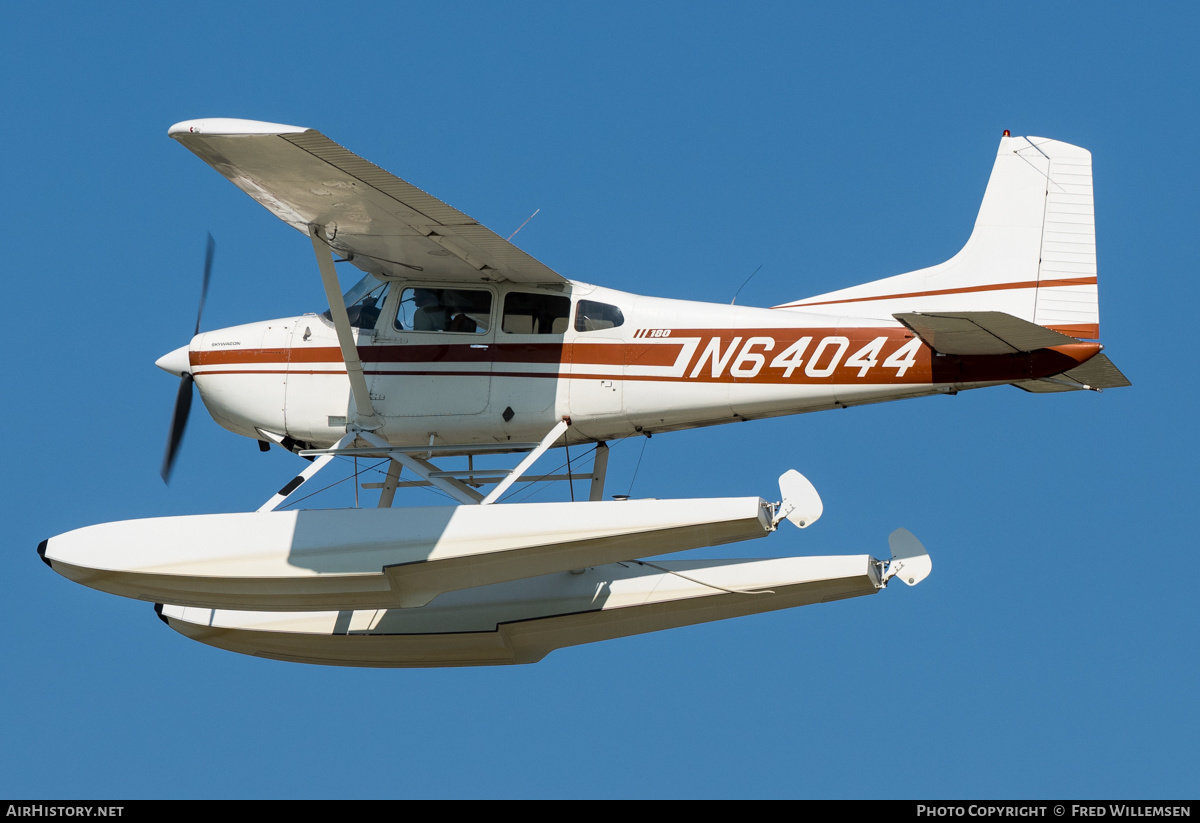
x,y
455,343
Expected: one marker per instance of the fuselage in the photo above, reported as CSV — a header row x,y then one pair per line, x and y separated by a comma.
x,y
490,363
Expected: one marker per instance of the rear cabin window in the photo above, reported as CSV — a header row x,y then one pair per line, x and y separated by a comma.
x,y
593,316
447,310
526,313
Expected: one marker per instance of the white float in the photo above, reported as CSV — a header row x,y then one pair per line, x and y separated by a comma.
x,y
522,621
383,558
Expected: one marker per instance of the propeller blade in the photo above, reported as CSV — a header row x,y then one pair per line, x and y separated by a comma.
x,y
183,406
183,399
209,250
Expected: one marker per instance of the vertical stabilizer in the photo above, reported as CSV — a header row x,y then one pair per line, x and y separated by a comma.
x,y
1032,253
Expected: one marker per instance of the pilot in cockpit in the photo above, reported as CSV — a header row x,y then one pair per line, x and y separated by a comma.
x,y
432,315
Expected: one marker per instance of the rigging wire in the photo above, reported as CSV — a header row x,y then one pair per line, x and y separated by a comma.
x,y
701,582
374,468
529,485
570,479
325,488
638,466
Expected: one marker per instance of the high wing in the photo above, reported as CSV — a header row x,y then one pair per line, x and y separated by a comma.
x,y
381,223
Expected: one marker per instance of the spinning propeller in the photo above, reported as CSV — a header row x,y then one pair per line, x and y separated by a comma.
x,y
178,362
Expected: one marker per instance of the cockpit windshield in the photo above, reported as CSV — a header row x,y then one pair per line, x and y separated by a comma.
x,y
363,301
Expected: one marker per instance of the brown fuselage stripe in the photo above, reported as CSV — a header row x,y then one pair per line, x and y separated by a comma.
x,y
596,354
926,369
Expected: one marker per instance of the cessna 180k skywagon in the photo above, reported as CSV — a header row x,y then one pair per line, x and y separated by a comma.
x,y
456,344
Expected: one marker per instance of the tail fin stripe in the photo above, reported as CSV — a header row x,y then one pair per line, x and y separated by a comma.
x,y
1027,284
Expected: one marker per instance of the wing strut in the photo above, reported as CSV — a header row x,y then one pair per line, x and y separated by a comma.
x,y
364,412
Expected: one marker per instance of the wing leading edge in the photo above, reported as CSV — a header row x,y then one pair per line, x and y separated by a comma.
x,y
385,225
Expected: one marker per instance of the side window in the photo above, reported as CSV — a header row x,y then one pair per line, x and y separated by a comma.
x,y
446,310
526,313
593,316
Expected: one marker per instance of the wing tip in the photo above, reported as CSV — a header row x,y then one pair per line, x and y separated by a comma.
x,y
227,126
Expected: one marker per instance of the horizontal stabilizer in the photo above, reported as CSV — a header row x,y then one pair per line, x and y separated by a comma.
x,y
1097,373
980,332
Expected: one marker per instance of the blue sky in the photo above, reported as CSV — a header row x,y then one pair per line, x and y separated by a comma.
x,y
672,149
